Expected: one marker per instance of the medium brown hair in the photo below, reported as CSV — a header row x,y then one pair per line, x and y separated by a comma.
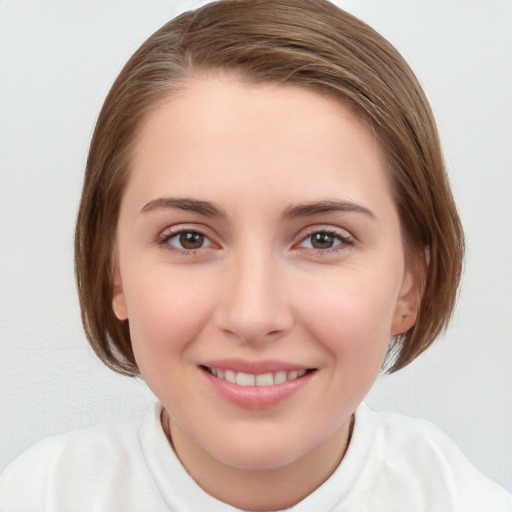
x,y
306,43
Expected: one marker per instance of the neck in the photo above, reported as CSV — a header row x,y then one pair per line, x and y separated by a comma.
x,y
256,489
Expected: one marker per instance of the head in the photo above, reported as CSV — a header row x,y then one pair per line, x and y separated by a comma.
x,y
311,45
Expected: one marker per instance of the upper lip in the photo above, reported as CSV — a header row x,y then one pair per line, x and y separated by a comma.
x,y
254,367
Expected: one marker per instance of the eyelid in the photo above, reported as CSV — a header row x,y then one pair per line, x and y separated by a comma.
x,y
172,231
345,237
325,228
171,236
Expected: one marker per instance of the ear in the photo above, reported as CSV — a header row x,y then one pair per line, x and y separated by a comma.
x,y
407,305
118,299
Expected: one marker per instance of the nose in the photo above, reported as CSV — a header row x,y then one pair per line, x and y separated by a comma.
x,y
254,303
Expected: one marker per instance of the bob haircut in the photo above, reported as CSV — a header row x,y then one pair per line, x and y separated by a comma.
x,y
296,42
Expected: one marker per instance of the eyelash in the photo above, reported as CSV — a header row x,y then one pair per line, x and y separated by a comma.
x,y
343,240
168,235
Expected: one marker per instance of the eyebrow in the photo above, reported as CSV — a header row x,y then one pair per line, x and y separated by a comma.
x,y
313,208
186,204
293,211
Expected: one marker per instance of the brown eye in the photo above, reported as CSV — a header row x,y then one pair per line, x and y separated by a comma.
x,y
190,240
323,240
186,240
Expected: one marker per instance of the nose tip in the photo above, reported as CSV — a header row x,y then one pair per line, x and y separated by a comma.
x,y
250,332
256,317
254,307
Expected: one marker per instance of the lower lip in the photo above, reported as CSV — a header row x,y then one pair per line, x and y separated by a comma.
x,y
257,397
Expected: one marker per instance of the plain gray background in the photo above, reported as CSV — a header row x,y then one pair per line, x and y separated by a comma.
x,y
57,61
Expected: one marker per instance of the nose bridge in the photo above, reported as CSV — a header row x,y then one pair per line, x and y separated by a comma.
x,y
254,304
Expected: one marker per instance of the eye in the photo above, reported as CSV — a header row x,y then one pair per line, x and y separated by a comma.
x,y
325,240
186,240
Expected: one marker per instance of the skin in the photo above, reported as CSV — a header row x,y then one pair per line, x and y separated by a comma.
x,y
258,286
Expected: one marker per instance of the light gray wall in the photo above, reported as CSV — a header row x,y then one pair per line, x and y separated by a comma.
x,y
57,61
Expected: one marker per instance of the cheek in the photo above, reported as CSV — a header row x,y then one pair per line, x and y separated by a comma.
x,y
165,315
353,319
355,333
364,307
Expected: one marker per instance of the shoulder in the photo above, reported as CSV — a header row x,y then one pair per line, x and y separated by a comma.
x,y
108,439
88,458
417,452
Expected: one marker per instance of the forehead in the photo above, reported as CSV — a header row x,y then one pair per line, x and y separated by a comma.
x,y
272,135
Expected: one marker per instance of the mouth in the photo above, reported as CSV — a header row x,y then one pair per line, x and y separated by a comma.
x,y
267,379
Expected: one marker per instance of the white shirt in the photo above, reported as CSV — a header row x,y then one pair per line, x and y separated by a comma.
x,y
393,464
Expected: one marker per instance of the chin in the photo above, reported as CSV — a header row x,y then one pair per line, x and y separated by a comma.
x,y
264,454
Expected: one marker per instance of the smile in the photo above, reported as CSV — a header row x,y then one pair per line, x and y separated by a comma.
x,y
256,385
248,379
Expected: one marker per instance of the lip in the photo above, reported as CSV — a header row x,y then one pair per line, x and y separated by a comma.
x,y
255,397
254,367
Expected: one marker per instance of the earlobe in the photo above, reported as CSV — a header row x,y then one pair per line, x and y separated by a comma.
x,y
118,300
411,293
119,306
406,309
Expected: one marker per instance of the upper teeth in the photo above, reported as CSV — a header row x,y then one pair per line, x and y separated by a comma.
x,y
263,379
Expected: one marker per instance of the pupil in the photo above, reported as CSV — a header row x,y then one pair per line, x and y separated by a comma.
x,y
191,240
322,241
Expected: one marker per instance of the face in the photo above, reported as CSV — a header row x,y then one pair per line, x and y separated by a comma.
x,y
260,265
